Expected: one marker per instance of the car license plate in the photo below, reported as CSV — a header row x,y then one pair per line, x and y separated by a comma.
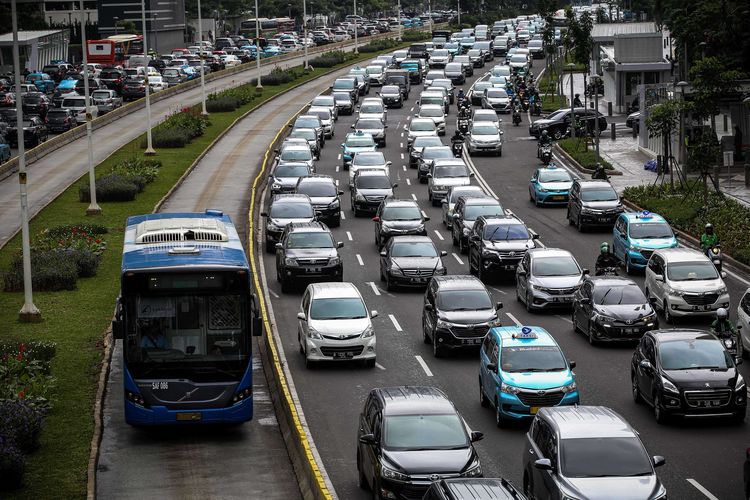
x,y
191,416
534,410
557,198
562,299
417,280
603,219
629,330
701,308
509,267
313,270
471,341
343,355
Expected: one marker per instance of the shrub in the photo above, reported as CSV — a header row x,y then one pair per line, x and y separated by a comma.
x,y
42,350
244,94
222,104
25,379
109,188
188,120
86,261
12,464
138,170
66,230
329,59
168,138
21,424
50,271
580,153
379,45
79,237
415,36
279,76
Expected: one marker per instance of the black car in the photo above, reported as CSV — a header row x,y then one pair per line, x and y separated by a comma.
x,y
476,57
174,76
410,261
344,102
285,209
60,120
466,64
392,97
408,437
133,88
612,309
36,103
558,123
416,147
396,217
634,121
34,132
473,489
457,313
497,245
307,251
465,213
324,195
427,158
368,190
347,84
455,72
81,86
687,373
593,203
284,176
417,51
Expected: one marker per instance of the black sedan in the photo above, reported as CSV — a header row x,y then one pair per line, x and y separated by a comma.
x,y
410,261
60,120
34,132
391,95
612,309
687,373
133,88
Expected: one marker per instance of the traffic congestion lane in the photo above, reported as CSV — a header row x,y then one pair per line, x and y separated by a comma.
x,y
333,415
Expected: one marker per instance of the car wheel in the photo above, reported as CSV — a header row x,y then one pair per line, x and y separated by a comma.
x,y
576,328
388,284
500,152
570,219
557,134
299,341
461,246
531,196
659,415
634,389
500,420
482,398
579,224
628,268
425,338
529,306
270,247
590,332
453,238
480,272
668,318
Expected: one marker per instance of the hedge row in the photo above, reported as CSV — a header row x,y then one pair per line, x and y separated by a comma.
x,y
580,152
178,129
330,59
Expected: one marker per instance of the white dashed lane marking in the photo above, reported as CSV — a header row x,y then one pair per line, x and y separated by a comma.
x,y
395,323
513,319
349,235
698,486
440,236
374,287
458,259
424,365
359,259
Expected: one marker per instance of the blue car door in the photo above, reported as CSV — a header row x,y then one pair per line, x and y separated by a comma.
x,y
620,243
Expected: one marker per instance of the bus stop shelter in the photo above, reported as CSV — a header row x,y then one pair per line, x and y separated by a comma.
x,y
37,48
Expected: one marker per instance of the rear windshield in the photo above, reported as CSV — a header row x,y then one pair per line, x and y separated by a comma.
x,y
313,189
291,211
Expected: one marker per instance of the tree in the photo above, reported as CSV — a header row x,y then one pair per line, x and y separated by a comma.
x,y
663,121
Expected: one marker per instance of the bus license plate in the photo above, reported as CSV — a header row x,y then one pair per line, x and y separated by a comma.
x,y
533,410
191,416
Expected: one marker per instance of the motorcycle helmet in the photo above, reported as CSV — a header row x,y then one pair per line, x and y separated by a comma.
x,y
544,133
721,313
709,228
604,247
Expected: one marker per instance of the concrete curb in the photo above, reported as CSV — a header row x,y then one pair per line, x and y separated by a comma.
x,y
96,438
694,242
573,163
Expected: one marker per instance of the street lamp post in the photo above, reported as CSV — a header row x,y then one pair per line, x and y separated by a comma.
x,y
93,208
258,86
116,20
304,28
29,312
356,42
572,67
149,144
155,31
458,5
400,28
681,136
594,79
200,44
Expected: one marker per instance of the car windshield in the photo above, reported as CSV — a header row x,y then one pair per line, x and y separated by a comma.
x,y
422,126
505,232
599,194
313,189
532,359
74,103
371,108
323,101
554,176
535,44
484,130
463,300
604,457
423,142
57,113
292,171
694,354
307,123
369,124
338,308
518,58
691,271
390,90
472,212
437,152
615,295
479,87
171,72
369,160
453,67
401,213
360,142
563,265
374,70
100,94
344,84
424,432
341,96
648,231
324,115
495,93
373,182
304,133
291,211
440,53
310,240
296,154
431,112
450,171
414,249
474,53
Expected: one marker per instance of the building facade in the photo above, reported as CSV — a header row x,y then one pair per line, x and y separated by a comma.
x,y
36,48
165,21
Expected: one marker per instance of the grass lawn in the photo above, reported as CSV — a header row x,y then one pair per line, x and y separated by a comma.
x,y
77,319
586,157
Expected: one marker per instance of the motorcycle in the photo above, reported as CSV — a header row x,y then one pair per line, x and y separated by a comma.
x,y
516,117
732,341
457,147
463,125
545,154
714,253
606,271
536,109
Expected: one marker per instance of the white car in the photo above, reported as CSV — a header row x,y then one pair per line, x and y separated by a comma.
x,y
419,127
376,75
444,174
435,113
230,60
326,119
370,160
335,325
373,108
78,106
157,83
327,101
743,313
684,282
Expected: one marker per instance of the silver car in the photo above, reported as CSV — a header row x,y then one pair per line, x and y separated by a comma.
x,y
419,127
435,113
439,58
484,137
376,74
548,278
326,119
296,153
373,108
372,126
327,101
496,99
334,325
449,202
443,175
284,176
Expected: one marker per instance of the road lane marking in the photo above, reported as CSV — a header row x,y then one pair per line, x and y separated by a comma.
x,y
402,156
440,236
339,156
395,323
379,366
412,108
513,319
408,182
482,183
343,216
414,196
404,167
337,168
401,145
374,287
359,259
349,235
402,134
455,256
699,487
275,295
499,291
567,320
337,183
424,365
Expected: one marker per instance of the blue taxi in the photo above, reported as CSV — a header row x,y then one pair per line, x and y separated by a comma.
x,y
637,234
356,142
522,369
550,186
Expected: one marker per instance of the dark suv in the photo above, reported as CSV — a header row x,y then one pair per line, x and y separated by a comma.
x,y
558,123
368,190
398,218
466,212
285,209
593,204
457,313
426,439
324,195
307,251
426,159
112,78
410,261
473,489
497,244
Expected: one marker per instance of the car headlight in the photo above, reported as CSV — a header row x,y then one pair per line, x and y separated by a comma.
x,y
474,470
290,261
728,342
541,189
393,475
334,261
443,324
369,332
494,322
586,210
396,271
571,387
313,333
509,389
669,386
740,384
723,290
634,248
276,185
602,318
672,291
487,252
359,197
662,494
335,204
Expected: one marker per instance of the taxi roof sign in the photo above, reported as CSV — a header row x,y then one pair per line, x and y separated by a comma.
x,y
644,215
526,333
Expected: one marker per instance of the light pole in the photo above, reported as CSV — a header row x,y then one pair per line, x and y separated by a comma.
x,y
594,79
356,43
400,28
681,156
258,86
304,28
458,5
149,144
572,67
29,312
200,44
155,31
94,208
116,20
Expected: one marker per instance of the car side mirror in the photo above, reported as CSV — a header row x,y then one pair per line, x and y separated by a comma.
x,y
585,301
389,163
645,364
738,360
279,246
428,307
544,464
395,185
425,217
429,176
340,193
571,364
383,253
659,277
471,174
339,244
368,439
301,316
342,144
723,274
492,367
498,306
276,150
376,219
264,214
373,314
443,253
289,125
658,460
352,126
476,436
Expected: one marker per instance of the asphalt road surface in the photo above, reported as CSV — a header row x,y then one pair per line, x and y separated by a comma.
x,y
704,458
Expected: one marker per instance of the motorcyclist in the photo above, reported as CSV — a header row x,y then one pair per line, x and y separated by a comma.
x,y
463,113
721,325
605,259
544,140
577,101
709,238
457,137
460,97
600,173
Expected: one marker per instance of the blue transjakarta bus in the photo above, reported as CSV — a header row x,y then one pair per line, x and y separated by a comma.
x,y
186,314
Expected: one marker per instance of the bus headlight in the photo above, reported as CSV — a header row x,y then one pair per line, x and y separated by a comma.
x,y
242,395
